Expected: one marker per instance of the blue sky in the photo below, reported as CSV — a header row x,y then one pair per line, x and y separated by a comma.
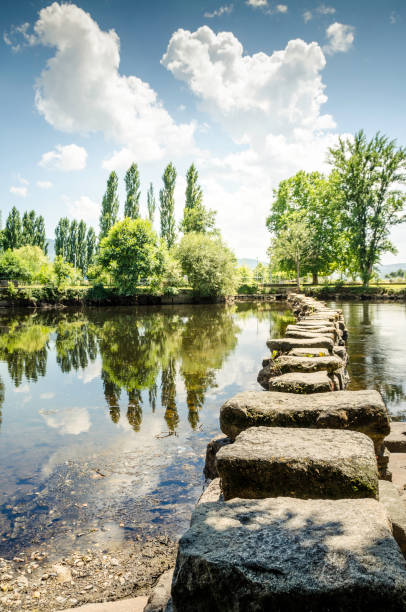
x,y
250,90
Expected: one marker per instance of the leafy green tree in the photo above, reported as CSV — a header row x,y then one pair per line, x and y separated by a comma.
x,y
208,263
261,273
27,264
291,249
81,256
73,243
91,242
132,185
28,227
40,238
316,199
370,175
196,218
12,237
151,203
167,205
130,252
110,204
62,237
65,273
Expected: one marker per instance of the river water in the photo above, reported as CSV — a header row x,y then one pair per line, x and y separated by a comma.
x,y
106,413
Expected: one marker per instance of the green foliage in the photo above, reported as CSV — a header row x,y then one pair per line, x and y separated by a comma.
x,y
167,205
194,194
65,273
131,252
27,264
171,278
261,272
91,242
62,237
110,204
208,263
196,218
132,185
73,243
151,203
369,177
12,235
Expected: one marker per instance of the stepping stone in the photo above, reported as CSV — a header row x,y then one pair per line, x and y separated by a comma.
x,y
290,363
289,555
299,382
284,345
362,411
317,351
210,467
396,508
308,334
396,441
280,461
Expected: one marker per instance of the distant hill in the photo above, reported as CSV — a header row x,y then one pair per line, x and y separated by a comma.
x,y
388,268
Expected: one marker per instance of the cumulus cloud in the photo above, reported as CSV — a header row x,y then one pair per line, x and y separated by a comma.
x,y
325,10
307,16
65,157
340,37
270,105
257,3
19,191
44,184
84,208
82,90
223,10
19,36
263,4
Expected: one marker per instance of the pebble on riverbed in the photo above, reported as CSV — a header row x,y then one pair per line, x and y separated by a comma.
x,y
33,582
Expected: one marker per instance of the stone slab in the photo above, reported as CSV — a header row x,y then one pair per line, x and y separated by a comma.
x,y
316,351
289,555
284,345
308,334
210,467
306,463
300,382
160,597
362,411
396,441
396,508
291,363
397,467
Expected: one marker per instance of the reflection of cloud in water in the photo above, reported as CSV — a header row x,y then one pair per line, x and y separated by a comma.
x,y
47,395
92,371
24,389
71,421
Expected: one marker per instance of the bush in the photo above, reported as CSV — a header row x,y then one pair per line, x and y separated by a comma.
x,y
248,289
208,263
27,264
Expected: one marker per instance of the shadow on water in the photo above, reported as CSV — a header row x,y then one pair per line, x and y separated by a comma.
x,y
103,406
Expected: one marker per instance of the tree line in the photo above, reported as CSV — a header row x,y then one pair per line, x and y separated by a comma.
x,y
340,222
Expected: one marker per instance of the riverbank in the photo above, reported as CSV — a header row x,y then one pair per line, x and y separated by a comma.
x,y
357,292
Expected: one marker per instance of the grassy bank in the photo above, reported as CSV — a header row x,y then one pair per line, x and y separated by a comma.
x,y
357,292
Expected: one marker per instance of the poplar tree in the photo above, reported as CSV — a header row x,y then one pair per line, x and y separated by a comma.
x,y
109,212
196,218
73,243
62,238
81,247
91,242
28,227
40,238
12,236
132,186
151,203
194,194
167,205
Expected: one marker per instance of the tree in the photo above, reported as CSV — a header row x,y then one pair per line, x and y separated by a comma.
x,y
196,218
39,234
27,263
64,272
167,205
292,248
81,253
151,203
131,251
370,174
73,243
28,227
208,263
12,237
110,204
62,237
315,198
132,185
91,242
261,273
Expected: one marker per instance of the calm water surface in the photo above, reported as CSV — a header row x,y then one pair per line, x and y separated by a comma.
x,y
106,413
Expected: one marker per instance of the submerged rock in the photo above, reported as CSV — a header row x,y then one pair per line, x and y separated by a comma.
x,y
286,555
278,461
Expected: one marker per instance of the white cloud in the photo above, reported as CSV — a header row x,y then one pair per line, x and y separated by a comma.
x,y
92,371
65,157
325,10
84,208
47,395
44,184
257,3
271,106
223,10
281,8
307,16
19,37
70,421
23,389
393,17
81,89
341,38
20,191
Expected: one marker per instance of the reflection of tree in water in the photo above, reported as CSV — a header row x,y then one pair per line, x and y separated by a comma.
x,y
1,400
24,345
76,344
112,394
134,410
152,395
168,394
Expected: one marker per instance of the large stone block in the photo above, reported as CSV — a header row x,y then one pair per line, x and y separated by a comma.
x,y
308,334
362,411
210,467
396,440
284,345
395,506
278,461
299,382
289,555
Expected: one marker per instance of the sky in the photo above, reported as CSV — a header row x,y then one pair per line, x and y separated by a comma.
x,y
251,91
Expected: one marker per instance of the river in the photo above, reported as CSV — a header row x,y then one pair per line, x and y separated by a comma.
x,y
106,413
